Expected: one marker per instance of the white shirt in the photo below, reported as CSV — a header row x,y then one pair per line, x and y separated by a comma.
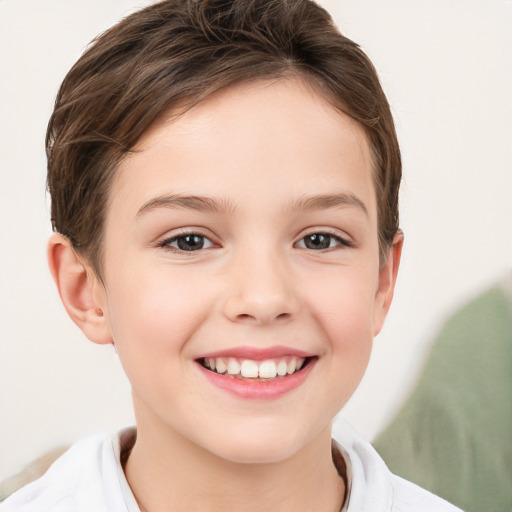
x,y
89,478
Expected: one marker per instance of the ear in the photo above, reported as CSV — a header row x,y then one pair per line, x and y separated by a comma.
x,y
387,279
80,290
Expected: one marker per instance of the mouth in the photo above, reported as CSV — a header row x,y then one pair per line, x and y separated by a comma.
x,y
255,370
255,374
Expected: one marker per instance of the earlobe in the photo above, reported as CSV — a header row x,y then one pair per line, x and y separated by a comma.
x,y
387,280
79,289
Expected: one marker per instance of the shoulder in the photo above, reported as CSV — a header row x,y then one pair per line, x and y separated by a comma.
x,y
409,497
82,479
371,485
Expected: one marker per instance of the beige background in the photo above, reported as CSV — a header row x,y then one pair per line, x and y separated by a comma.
x,y
447,68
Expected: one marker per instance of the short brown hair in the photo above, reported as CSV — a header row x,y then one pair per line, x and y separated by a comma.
x,y
183,51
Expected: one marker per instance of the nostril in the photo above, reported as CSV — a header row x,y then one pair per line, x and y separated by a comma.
x,y
261,308
245,316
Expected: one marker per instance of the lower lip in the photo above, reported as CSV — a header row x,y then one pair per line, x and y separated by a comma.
x,y
258,389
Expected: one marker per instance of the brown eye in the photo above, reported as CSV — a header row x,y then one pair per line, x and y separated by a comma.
x,y
323,241
188,243
317,241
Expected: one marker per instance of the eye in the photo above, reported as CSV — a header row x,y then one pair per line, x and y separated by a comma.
x,y
322,241
188,242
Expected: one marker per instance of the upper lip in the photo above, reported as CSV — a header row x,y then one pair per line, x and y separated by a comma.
x,y
258,353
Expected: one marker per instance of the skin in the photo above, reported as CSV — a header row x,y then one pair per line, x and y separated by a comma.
x,y
259,152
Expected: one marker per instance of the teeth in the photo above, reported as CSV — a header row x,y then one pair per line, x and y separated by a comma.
x,y
233,366
249,369
268,369
221,366
282,368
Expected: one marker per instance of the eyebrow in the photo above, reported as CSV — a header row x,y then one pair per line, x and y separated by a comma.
x,y
199,203
208,204
326,201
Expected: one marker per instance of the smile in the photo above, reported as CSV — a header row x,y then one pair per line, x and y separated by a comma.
x,y
252,369
258,374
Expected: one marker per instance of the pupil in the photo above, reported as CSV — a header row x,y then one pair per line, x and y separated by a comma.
x,y
190,242
318,241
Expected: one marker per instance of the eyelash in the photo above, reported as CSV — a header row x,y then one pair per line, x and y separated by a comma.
x,y
341,241
167,243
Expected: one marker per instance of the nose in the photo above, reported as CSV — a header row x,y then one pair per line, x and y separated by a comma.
x,y
261,291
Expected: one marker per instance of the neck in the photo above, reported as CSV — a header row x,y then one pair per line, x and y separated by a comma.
x,y
165,470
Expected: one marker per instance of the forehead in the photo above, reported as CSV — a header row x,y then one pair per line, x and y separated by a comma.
x,y
282,133
252,104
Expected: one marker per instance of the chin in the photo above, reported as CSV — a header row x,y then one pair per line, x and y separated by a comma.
x,y
260,446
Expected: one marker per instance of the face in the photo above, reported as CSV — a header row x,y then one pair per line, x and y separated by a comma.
x,y
241,270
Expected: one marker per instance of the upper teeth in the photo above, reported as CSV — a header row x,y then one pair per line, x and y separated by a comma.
x,y
249,368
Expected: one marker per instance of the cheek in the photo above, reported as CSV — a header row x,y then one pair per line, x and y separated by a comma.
x,y
153,315
345,300
152,320
346,318
344,310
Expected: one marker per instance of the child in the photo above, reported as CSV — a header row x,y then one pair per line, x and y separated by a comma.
x,y
224,179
